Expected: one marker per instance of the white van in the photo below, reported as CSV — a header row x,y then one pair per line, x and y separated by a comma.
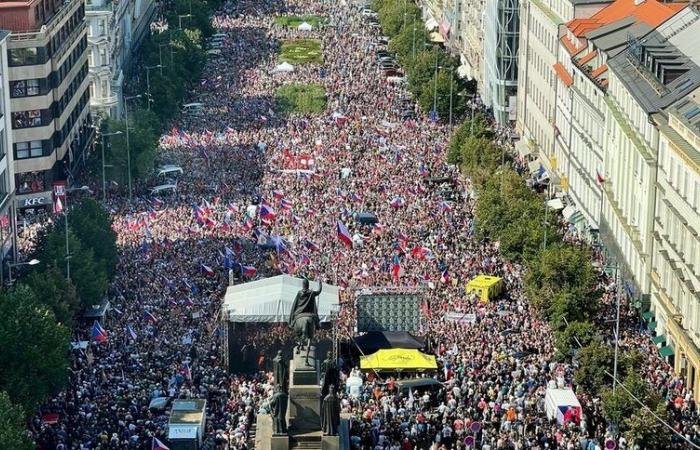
x,y
193,108
164,188
214,51
168,169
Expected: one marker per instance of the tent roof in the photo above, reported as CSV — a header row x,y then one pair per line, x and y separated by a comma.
x,y
398,359
376,340
270,299
564,397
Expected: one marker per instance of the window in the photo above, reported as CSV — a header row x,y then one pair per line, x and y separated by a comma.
x,y
29,182
26,119
24,88
2,143
30,149
22,56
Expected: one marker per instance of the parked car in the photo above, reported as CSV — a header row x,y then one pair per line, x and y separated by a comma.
x,y
168,169
366,12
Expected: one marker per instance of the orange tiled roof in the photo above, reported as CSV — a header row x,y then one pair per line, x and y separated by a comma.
x,y
651,12
599,70
588,57
563,74
571,47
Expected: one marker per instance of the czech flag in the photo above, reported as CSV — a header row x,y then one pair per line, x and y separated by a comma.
x,y
267,214
444,277
157,445
419,252
286,204
397,202
149,317
444,206
99,334
396,272
599,177
311,245
278,194
248,271
208,271
343,234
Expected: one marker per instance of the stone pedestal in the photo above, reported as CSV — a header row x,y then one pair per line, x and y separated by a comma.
x,y
330,443
303,413
279,442
265,439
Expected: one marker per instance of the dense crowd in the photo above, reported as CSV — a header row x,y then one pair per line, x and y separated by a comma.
x,y
253,177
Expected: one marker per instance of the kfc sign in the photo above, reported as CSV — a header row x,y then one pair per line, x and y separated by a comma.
x,y
30,202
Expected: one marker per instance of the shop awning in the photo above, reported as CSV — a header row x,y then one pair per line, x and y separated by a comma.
x,y
436,37
398,359
523,148
647,315
659,339
556,204
431,24
666,351
465,71
652,325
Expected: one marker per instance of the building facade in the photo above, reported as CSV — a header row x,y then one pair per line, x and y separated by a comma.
x,y
48,71
8,241
115,32
500,62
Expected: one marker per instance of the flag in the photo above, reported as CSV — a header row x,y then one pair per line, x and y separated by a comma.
x,y
599,177
444,206
229,258
99,334
278,194
423,171
157,445
540,172
311,245
444,276
57,206
286,204
343,234
248,271
377,228
130,332
396,271
397,202
149,317
208,271
267,214
186,371
420,252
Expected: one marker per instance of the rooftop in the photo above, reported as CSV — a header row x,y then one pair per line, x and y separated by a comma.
x,y
651,12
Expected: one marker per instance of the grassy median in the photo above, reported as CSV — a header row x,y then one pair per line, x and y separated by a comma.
x,y
301,99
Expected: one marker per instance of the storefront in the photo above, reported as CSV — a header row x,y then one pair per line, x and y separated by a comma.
x,y
34,203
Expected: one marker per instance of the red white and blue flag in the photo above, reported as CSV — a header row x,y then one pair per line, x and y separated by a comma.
x,y
343,234
286,204
248,271
157,445
444,276
444,206
267,214
99,334
208,271
149,317
397,202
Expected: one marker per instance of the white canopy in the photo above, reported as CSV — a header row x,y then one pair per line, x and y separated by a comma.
x,y
305,26
431,24
270,300
284,67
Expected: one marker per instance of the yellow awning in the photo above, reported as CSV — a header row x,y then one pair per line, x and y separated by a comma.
x,y
486,286
436,37
398,359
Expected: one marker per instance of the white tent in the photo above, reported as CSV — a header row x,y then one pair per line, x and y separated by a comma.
x,y
305,26
431,24
562,404
284,67
270,300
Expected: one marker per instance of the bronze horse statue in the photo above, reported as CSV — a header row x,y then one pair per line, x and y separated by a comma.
x,y
303,318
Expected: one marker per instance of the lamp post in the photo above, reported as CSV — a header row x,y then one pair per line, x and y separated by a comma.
x,y
128,149
10,265
104,145
182,16
451,83
413,57
148,82
65,219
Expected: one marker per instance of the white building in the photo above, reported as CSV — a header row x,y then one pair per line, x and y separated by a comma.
x,y
115,31
7,179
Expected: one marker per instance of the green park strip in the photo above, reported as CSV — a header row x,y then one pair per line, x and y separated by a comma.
x,y
295,21
301,99
301,51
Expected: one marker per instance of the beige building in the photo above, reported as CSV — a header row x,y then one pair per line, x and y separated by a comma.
x,y
50,117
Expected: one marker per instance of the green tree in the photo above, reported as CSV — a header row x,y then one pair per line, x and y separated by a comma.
x,y
407,42
593,362
91,223
89,277
53,290
619,405
34,357
438,94
481,158
475,127
574,336
645,431
562,283
143,139
13,434
199,12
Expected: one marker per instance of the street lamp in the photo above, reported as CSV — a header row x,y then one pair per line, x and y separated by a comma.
x,y
65,215
148,81
128,149
104,144
10,265
451,83
182,16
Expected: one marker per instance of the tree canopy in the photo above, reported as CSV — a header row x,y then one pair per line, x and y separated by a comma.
x,y
12,431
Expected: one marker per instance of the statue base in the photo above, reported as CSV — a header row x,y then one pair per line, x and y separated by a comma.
x,y
303,413
264,437
330,443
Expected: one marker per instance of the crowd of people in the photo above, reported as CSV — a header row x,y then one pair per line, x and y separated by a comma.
x,y
263,193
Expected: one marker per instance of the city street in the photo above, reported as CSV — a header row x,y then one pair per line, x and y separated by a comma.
x,y
252,174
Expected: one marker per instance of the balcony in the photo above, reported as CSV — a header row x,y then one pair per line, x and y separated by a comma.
x,y
97,6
